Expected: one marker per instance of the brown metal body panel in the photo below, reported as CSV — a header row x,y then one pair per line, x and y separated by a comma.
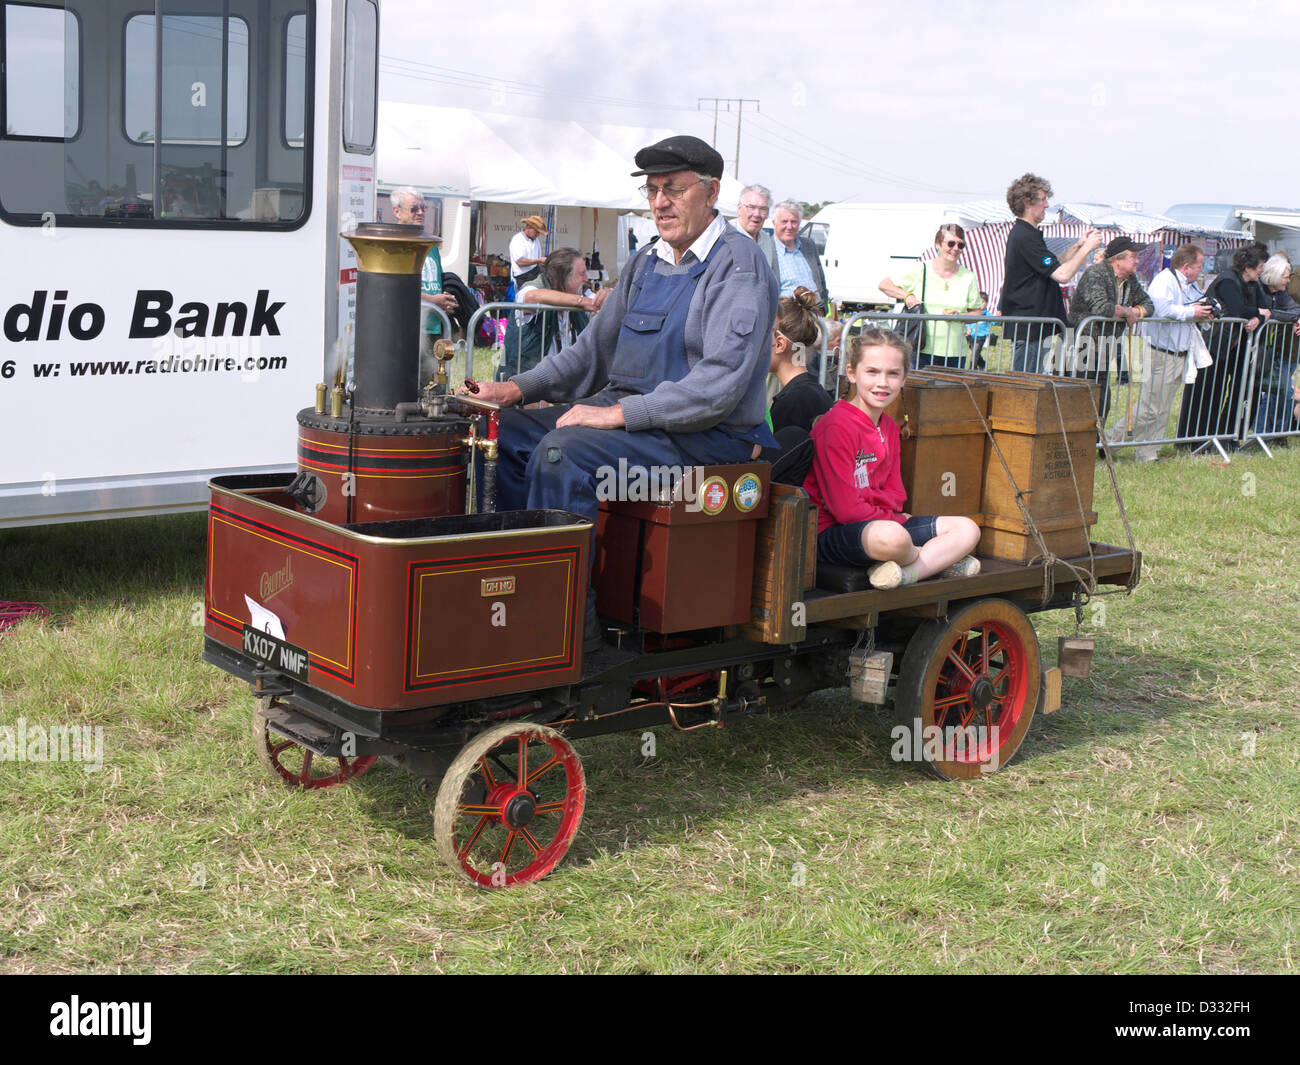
x,y
690,558
406,615
404,474
712,495
614,573
694,576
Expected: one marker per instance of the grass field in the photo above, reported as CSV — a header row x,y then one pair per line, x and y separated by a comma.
x,y
1150,826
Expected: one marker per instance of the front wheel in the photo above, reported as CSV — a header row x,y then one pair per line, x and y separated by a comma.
x,y
968,688
510,805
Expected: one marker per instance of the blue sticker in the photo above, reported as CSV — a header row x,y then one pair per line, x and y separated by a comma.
x,y
1047,260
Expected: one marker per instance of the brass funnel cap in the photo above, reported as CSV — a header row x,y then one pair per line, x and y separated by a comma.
x,y
389,248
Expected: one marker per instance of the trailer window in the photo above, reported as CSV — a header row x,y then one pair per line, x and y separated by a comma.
x,y
191,91
201,114
360,73
42,72
295,80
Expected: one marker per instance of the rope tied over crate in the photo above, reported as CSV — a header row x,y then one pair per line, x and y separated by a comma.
x,y
1084,577
1114,485
1044,555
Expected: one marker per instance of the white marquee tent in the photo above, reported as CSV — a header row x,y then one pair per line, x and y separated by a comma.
x,y
525,165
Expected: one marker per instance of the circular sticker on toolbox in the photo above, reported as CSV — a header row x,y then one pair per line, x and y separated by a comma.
x,y
748,490
713,496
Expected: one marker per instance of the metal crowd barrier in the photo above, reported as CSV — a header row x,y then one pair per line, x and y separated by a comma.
x,y
1028,344
826,362
1144,367
1267,406
1244,396
465,347
494,310
1239,398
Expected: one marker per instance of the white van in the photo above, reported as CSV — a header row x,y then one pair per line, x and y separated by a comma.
x,y
862,243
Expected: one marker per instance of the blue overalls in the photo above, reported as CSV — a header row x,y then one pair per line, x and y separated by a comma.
x,y
545,468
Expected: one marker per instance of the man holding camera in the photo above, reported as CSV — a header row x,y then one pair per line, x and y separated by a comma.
x,y
1174,294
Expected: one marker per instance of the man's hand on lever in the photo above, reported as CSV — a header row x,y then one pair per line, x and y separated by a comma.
x,y
502,393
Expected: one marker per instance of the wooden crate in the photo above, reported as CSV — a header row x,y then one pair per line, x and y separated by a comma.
x,y
1045,428
942,454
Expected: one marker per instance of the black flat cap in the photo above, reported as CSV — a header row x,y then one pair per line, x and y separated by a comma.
x,y
1120,245
678,153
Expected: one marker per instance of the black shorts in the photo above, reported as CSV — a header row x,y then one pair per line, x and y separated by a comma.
x,y
841,545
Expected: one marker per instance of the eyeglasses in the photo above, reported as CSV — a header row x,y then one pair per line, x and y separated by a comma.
x,y
760,207
673,192
417,208
960,245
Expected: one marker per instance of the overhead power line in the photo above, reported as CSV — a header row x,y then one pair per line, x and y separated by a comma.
x,y
817,152
409,68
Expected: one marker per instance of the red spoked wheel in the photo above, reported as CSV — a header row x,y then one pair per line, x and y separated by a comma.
x,y
968,689
296,766
510,805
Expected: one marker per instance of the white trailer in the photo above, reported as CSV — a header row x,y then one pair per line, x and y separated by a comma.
x,y
174,176
867,242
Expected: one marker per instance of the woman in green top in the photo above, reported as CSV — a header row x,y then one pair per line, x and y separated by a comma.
x,y
945,287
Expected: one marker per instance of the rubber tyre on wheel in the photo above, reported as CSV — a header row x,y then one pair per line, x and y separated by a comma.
x,y
972,681
294,765
510,805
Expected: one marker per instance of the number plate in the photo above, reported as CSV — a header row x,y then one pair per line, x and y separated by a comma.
x,y
278,654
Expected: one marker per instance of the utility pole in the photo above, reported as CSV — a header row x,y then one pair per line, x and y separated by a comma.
x,y
740,111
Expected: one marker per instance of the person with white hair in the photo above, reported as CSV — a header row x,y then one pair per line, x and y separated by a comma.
x,y
751,211
671,371
1277,354
409,209
1174,294
793,258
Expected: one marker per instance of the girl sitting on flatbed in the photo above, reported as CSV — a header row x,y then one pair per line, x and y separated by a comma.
x,y
857,486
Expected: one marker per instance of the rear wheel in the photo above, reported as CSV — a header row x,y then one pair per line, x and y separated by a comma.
x,y
968,689
296,766
510,805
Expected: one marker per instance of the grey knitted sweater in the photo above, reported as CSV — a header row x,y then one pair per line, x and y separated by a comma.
x,y
728,346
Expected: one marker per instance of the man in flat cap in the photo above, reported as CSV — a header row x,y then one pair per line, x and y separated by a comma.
x,y
671,372
526,255
1110,289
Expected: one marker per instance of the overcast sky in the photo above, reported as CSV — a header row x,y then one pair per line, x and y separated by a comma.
x,y
941,100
